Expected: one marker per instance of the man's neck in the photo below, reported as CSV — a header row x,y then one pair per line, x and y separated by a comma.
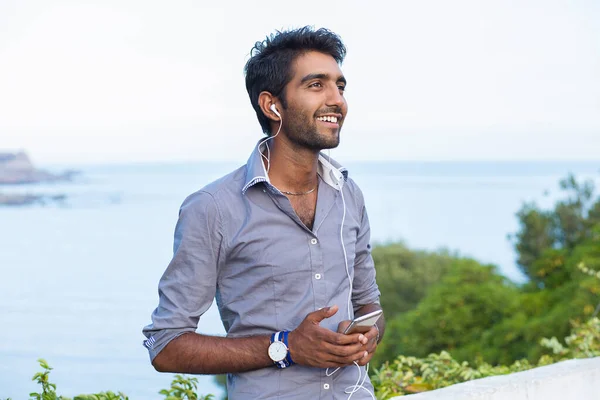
x,y
292,168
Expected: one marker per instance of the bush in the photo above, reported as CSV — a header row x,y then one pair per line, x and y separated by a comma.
x,y
408,375
182,388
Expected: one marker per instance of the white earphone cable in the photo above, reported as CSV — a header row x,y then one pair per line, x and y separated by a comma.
x,y
359,384
267,158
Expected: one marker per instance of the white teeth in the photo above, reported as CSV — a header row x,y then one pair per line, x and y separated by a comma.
x,y
328,119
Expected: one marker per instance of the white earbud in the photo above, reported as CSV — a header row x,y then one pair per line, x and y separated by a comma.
x,y
274,109
267,158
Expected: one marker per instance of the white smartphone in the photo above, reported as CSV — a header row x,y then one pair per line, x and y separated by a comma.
x,y
363,323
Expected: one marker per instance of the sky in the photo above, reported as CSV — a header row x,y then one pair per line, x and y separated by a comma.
x,y
429,80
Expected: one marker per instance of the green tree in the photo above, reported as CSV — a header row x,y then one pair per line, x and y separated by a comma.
x,y
404,276
570,293
472,311
454,314
555,233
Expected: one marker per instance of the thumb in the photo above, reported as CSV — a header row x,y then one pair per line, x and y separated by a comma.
x,y
323,313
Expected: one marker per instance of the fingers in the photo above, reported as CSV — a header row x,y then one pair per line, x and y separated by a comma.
x,y
370,347
343,325
372,333
313,345
317,316
345,361
325,354
365,360
353,351
340,339
330,359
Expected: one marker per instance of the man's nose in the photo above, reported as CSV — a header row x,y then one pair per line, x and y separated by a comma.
x,y
335,98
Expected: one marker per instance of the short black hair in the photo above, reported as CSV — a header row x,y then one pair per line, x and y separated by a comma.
x,y
270,65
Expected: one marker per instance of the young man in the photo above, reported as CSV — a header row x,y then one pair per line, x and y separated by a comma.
x,y
282,243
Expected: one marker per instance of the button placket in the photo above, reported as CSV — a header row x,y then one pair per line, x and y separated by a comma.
x,y
319,286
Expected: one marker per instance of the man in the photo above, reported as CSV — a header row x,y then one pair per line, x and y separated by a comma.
x,y
266,242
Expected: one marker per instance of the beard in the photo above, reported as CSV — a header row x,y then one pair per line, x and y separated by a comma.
x,y
303,131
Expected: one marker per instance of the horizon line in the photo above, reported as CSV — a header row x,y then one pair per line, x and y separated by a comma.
x,y
367,161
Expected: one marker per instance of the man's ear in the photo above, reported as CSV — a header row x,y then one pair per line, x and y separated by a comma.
x,y
265,101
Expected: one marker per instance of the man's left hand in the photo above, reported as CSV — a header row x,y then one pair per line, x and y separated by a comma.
x,y
369,343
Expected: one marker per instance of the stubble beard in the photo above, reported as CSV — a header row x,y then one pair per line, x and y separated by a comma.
x,y
303,132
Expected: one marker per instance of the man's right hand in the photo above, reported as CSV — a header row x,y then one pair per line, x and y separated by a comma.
x,y
315,346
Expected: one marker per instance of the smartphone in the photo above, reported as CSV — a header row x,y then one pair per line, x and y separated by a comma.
x,y
363,323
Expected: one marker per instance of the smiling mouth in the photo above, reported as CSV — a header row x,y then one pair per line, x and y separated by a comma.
x,y
329,120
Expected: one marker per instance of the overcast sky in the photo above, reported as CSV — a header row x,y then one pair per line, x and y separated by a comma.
x,y
118,81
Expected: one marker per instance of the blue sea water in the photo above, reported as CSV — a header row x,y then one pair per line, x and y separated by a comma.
x,y
79,281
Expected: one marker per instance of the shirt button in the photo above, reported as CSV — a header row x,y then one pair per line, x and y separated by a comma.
x,y
317,276
326,386
313,241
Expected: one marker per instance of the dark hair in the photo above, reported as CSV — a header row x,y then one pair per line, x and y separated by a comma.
x,y
269,67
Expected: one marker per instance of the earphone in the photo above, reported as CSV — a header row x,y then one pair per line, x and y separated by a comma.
x,y
267,158
274,109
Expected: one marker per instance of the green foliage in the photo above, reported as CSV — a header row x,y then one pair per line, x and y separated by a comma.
x,y
469,309
48,389
102,396
583,342
404,276
408,375
470,299
560,252
182,388
548,235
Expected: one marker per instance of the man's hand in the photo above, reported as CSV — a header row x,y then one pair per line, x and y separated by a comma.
x,y
315,346
371,344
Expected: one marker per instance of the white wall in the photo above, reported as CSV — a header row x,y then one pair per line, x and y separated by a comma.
x,y
572,379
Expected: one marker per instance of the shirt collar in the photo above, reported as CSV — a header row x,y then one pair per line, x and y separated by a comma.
x,y
330,171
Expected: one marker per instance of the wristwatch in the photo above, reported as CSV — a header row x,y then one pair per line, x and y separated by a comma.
x,y
279,351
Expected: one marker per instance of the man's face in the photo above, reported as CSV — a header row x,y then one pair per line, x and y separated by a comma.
x,y
316,106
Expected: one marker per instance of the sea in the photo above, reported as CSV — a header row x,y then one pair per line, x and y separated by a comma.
x,y
79,279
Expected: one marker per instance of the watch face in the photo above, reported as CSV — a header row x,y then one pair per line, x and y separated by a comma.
x,y
277,351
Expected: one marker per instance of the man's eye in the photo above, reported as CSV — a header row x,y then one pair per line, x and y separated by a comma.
x,y
342,88
316,84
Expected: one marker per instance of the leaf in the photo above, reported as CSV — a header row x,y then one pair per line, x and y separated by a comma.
x,y
418,387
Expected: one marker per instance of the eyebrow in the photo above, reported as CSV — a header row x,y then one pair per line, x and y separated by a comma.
x,y
322,76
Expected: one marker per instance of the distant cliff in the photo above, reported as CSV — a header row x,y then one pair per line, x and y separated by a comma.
x,y
17,168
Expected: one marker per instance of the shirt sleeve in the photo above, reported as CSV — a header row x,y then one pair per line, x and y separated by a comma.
x,y
364,287
188,286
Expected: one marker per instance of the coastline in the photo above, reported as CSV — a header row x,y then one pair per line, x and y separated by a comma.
x,y
16,168
30,199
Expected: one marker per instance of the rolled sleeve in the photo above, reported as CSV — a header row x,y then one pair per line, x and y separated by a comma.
x,y
364,288
187,288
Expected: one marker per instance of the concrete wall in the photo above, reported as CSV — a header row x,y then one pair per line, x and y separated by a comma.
x,y
572,379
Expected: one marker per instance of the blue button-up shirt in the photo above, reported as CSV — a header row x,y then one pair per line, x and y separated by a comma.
x,y
240,241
